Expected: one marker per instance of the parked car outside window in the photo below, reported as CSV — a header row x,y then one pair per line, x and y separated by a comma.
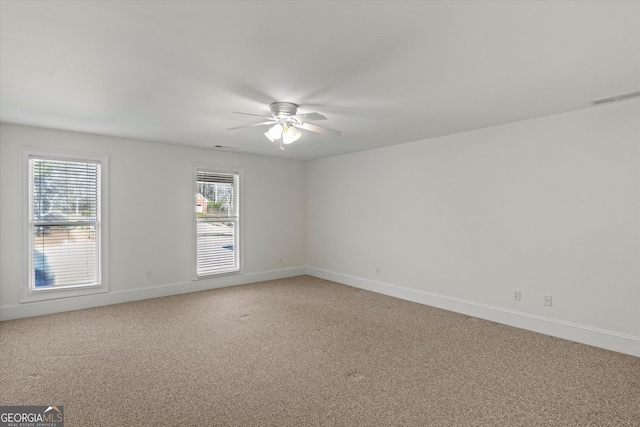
x,y
44,275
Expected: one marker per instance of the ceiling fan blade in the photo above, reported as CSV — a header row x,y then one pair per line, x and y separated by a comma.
x,y
309,116
255,115
319,129
255,124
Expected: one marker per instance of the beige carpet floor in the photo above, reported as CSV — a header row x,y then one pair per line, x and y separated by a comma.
x,y
307,352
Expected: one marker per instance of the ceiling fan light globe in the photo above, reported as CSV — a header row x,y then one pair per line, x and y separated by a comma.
x,y
268,135
275,132
295,133
288,139
291,134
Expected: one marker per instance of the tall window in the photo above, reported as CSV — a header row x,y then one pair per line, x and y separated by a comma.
x,y
64,228
217,222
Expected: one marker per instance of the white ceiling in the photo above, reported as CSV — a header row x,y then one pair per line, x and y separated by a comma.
x,y
383,73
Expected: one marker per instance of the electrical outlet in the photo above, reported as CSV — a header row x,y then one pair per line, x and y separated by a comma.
x,y
516,295
279,260
148,274
547,300
377,270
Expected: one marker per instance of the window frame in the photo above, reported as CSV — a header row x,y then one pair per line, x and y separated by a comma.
x,y
27,292
218,169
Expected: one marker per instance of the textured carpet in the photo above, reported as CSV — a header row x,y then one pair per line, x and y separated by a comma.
x,y
307,352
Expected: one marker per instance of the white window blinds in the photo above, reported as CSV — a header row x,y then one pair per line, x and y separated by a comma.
x,y
217,222
64,223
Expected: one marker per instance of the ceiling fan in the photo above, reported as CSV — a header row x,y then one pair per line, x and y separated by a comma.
x,y
286,123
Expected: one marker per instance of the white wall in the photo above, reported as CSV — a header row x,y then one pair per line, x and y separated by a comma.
x,y
151,213
547,206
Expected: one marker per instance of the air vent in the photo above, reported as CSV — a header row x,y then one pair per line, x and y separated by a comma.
x,y
614,98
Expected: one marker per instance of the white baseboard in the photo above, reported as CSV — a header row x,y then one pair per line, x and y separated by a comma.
x,y
609,340
119,296
622,343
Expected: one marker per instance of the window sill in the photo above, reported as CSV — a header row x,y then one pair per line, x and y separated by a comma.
x,y
217,275
60,293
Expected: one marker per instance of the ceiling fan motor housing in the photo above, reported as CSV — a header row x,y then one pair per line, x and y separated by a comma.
x,y
283,109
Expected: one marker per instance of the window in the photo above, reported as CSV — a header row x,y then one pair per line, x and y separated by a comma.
x,y
64,229
217,213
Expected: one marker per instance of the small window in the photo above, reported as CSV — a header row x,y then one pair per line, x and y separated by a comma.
x,y
217,213
64,225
